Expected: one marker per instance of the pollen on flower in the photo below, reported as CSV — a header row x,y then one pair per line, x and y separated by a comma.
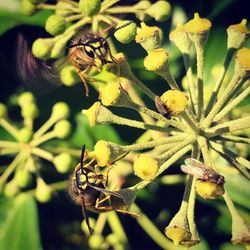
x,y
91,113
175,100
241,27
177,234
198,25
156,59
146,167
243,56
102,153
110,93
208,189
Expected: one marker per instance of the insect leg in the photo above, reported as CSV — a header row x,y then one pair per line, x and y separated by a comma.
x,y
85,215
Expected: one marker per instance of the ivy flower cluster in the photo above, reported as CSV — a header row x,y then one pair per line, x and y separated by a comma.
x,y
182,125
26,146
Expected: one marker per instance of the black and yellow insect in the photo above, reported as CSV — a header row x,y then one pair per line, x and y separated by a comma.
x,y
88,188
88,50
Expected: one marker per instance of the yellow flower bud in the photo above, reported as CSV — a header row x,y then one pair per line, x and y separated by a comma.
x,y
208,189
106,153
60,111
24,134
127,34
22,178
41,48
26,98
62,129
30,111
11,189
63,9
43,192
176,234
146,167
90,7
95,241
97,114
243,58
180,38
84,226
114,95
237,35
55,25
28,8
69,76
159,11
149,37
156,60
198,25
175,101
62,162
198,29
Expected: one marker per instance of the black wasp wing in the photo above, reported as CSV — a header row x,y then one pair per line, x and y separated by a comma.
x,y
38,75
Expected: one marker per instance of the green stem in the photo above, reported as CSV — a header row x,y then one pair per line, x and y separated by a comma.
x,y
191,86
9,170
45,127
169,78
9,128
231,126
45,6
154,233
154,143
9,144
218,84
232,104
239,162
165,156
74,4
192,124
120,10
106,4
203,143
46,137
100,223
42,153
200,71
236,139
223,98
73,17
117,228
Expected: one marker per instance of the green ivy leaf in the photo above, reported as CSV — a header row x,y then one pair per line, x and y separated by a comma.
x,y
84,134
19,229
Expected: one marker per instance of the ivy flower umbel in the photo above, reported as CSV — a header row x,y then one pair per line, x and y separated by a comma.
x,y
26,146
193,125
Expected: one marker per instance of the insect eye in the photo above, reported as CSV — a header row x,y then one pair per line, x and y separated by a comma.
x,y
89,52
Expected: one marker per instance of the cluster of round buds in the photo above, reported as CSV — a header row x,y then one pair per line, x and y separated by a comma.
x,y
27,146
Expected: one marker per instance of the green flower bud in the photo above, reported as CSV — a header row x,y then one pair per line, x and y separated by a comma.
x,y
62,129
3,111
41,48
69,76
60,111
28,8
141,6
55,25
30,111
95,241
149,37
11,189
43,192
112,239
62,162
22,178
24,135
159,11
90,7
26,98
63,9
127,34
84,225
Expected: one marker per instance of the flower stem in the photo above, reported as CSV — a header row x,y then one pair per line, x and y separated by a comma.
x,y
42,153
48,136
73,17
9,128
236,139
106,4
218,84
154,233
226,127
117,228
203,143
232,104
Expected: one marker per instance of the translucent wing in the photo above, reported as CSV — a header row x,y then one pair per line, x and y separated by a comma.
x,y
38,75
193,170
195,163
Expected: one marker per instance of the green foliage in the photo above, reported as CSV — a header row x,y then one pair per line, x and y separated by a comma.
x,y
19,229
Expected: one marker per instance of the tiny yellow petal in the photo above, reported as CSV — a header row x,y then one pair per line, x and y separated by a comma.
x,y
156,59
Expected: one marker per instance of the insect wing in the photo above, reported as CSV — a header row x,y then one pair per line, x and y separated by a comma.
x,y
194,163
193,170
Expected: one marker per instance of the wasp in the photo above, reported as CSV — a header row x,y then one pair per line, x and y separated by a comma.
x,y
199,170
162,108
88,50
88,188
